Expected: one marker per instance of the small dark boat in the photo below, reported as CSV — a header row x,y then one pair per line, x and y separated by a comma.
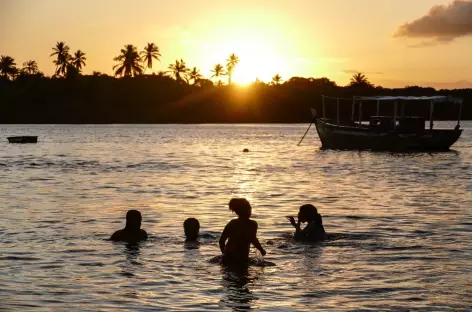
x,y
386,133
23,139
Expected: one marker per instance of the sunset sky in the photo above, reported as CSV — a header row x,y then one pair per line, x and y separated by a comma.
x,y
394,42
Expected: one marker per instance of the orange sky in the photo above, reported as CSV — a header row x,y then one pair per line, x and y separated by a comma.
x,y
311,38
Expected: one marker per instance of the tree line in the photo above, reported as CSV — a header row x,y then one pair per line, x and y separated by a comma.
x,y
181,94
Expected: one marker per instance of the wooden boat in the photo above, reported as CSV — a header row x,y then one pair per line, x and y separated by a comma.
x,y
386,133
23,139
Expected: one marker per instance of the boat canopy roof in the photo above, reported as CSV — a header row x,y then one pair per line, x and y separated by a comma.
x,y
438,98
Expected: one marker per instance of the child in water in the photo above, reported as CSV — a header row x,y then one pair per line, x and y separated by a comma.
x,y
191,229
240,233
132,232
314,231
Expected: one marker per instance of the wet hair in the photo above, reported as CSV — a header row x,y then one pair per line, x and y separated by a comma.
x,y
133,219
241,207
310,213
191,227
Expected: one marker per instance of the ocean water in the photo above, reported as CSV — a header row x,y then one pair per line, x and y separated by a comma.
x,y
400,224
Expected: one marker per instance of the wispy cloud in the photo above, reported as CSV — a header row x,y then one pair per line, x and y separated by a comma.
x,y
442,24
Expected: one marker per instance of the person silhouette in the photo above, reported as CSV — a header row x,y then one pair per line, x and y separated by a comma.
x,y
314,230
191,229
240,233
132,232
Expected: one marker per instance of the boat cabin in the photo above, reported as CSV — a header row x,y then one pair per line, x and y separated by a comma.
x,y
397,121
406,124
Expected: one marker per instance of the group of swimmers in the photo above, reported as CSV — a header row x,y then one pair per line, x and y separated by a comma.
x,y
238,234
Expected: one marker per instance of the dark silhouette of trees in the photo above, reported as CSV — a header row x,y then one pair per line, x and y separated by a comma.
x,y
27,96
71,72
179,70
30,67
218,71
360,80
8,67
195,75
101,98
150,52
61,51
128,62
231,63
78,60
276,80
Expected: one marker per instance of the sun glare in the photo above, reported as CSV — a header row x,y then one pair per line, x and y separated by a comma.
x,y
257,60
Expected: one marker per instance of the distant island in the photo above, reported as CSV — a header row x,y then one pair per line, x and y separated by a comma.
x,y
179,95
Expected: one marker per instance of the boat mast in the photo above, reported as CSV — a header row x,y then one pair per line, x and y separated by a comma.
x,y
353,108
459,117
337,111
395,115
324,111
360,112
431,110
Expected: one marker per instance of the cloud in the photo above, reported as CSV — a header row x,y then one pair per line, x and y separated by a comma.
x,y
442,24
355,71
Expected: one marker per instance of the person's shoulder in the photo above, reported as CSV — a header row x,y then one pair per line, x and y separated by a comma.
x,y
253,222
232,222
118,235
143,234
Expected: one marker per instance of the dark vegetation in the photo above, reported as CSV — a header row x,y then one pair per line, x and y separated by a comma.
x,y
182,95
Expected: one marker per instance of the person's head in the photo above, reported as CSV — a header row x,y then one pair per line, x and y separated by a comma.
x,y
241,207
191,228
308,213
133,220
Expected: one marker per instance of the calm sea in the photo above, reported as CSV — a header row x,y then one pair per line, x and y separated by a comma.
x,y
400,224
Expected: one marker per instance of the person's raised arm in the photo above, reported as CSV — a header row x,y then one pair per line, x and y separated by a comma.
x,y
224,236
298,232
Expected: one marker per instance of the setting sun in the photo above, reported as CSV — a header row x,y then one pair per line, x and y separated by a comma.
x,y
257,61
261,52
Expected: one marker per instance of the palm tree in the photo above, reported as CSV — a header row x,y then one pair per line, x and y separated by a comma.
x,y
151,51
276,80
61,50
360,80
8,67
218,71
129,62
30,67
195,75
78,60
231,63
178,69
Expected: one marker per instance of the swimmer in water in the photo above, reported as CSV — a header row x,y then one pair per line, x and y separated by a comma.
x,y
132,232
191,229
314,230
240,233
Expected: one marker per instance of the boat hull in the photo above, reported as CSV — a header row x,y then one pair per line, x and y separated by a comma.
x,y
357,137
23,139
